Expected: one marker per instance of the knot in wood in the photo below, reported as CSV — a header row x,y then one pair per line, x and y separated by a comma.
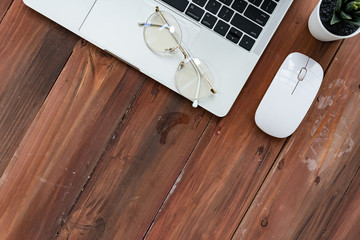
x,y
281,164
264,222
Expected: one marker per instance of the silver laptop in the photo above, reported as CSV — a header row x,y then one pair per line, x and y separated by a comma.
x,y
228,35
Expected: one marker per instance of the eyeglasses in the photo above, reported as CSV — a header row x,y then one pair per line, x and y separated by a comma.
x,y
163,35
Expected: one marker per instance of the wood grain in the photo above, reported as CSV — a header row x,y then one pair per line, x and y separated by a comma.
x,y
4,6
127,206
308,181
345,223
64,143
225,172
142,163
90,149
33,52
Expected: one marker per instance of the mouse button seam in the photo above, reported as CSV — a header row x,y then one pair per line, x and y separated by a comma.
x,y
307,62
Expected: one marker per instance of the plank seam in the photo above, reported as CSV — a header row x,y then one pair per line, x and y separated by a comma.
x,y
177,179
101,156
6,12
323,231
275,160
261,185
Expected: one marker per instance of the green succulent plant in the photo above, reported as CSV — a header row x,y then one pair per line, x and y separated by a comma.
x,y
348,11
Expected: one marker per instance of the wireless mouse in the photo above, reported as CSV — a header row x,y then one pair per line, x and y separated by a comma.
x,y
289,95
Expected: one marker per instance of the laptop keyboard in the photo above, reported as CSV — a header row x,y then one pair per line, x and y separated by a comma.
x,y
239,21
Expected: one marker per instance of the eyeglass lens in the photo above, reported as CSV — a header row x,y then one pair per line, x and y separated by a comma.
x,y
162,34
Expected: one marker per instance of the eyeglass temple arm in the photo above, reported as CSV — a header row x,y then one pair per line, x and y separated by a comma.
x,y
212,89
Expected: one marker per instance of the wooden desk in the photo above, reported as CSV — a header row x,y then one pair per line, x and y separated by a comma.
x,y
92,149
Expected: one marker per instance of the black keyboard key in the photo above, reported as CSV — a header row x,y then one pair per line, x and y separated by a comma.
x,y
234,35
195,12
226,13
239,5
232,38
256,15
199,2
213,6
256,2
268,6
236,32
227,2
221,28
178,4
246,25
247,42
209,20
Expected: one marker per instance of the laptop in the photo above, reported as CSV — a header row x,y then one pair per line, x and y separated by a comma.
x,y
228,35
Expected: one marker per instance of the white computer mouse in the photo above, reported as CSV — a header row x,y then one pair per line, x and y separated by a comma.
x,y
289,95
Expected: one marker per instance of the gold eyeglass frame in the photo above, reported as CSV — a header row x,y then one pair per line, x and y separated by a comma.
x,y
186,53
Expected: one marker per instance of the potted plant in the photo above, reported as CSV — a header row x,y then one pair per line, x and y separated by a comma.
x,y
335,19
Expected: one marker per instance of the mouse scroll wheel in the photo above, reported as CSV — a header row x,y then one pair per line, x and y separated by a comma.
x,y
302,74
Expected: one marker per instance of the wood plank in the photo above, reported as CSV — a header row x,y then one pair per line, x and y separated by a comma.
x,y
145,155
4,6
317,165
226,170
345,223
33,51
139,168
64,143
